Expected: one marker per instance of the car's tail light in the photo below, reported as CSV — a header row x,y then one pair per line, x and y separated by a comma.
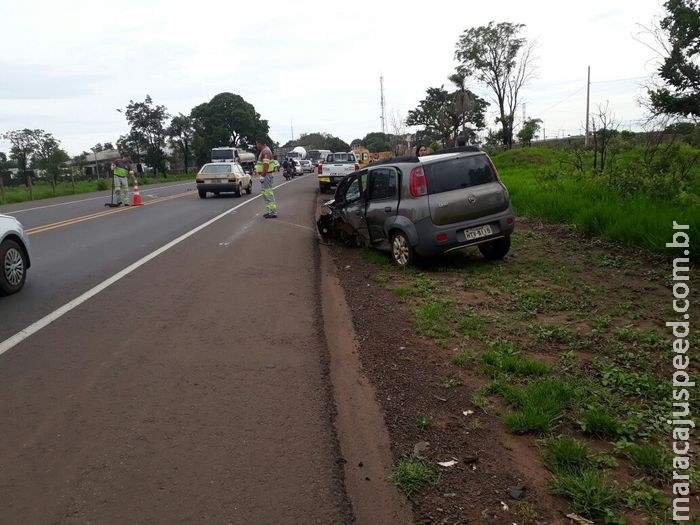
x,y
199,181
357,167
320,168
418,184
441,237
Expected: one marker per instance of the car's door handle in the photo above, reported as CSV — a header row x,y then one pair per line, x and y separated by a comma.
x,y
387,209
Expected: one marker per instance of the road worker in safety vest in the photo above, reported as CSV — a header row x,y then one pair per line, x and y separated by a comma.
x,y
264,168
121,169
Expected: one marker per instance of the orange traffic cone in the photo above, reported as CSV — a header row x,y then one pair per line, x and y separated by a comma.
x,y
136,197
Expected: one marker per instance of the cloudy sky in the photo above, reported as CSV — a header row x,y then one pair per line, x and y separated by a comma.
x,y
307,66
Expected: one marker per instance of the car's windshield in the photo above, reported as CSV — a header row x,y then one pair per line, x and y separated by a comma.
x,y
217,168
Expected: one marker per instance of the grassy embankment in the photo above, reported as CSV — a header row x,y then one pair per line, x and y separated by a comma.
x,y
632,206
569,335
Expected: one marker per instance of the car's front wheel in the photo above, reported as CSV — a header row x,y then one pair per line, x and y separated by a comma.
x,y
14,267
402,253
496,249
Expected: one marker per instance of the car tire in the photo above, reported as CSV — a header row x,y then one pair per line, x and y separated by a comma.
x,y
202,194
13,271
239,190
249,189
495,250
402,253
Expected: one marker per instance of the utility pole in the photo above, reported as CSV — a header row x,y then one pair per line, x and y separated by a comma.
x,y
292,126
381,87
588,102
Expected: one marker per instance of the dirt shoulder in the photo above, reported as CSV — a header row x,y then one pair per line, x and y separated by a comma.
x,y
592,314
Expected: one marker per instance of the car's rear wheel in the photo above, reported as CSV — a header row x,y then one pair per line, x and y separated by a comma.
x,y
14,267
249,189
496,249
202,194
239,190
402,253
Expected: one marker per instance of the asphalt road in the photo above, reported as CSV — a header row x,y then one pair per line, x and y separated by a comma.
x,y
169,363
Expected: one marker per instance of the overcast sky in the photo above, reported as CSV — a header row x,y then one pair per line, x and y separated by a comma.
x,y
308,66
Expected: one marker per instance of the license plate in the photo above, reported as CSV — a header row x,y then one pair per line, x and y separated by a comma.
x,y
475,233
324,179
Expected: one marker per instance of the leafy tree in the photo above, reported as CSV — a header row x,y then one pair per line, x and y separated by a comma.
x,y
147,122
337,144
48,155
498,58
226,120
134,144
680,69
530,128
23,147
317,140
444,114
181,132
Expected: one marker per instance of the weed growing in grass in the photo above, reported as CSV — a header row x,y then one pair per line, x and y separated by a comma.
x,y
592,493
543,402
375,257
434,319
597,421
411,474
565,455
402,291
464,359
651,459
552,332
423,422
641,496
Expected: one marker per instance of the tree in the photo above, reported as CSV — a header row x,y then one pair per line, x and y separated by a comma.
x,y
445,114
23,147
181,132
496,57
605,128
226,120
680,69
530,128
48,155
147,122
133,144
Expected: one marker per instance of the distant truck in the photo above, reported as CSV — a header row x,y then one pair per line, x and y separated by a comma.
x,y
334,168
317,156
229,154
297,153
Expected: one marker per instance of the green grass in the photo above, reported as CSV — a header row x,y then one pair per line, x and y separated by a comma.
x,y
557,195
411,474
592,493
541,404
597,421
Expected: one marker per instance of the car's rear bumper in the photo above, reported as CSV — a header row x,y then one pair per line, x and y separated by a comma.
x,y
218,187
454,237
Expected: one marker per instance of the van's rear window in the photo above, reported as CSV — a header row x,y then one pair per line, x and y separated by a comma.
x,y
454,174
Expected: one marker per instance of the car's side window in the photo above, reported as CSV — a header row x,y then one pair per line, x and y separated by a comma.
x,y
353,191
382,184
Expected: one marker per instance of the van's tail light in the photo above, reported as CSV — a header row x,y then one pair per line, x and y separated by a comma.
x,y
418,185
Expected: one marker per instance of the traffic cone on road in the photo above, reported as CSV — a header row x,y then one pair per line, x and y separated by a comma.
x,y
136,197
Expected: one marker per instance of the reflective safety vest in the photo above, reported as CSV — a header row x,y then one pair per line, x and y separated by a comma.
x,y
121,172
261,161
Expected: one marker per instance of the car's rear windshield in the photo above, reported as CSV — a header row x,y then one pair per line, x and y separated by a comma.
x,y
217,168
456,173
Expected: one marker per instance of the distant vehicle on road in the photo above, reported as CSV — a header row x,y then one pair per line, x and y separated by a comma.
x,y
15,259
229,154
306,166
317,155
223,177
